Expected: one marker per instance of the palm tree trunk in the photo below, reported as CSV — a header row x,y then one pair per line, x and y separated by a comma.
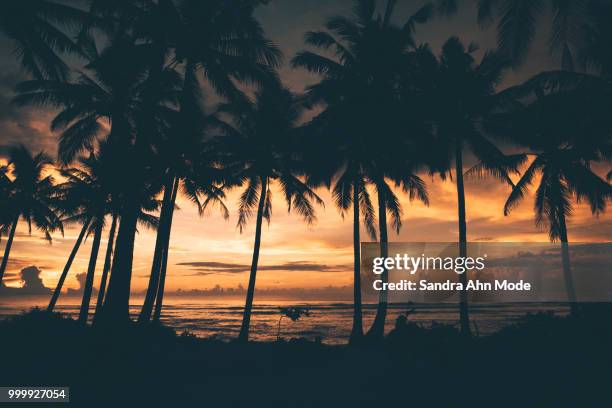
x,y
60,283
107,265
567,272
147,307
357,331
116,307
464,318
91,271
7,249
164,261
246,318
377,331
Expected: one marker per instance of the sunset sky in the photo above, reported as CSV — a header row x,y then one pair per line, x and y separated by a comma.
x,y
209,251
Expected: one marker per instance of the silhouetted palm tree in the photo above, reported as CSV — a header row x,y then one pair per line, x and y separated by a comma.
x,y
107,264
199,179
463,100
223,41
344,176
29,196
190,165
567,131
361,94
37,29
261,148
86,197
106,102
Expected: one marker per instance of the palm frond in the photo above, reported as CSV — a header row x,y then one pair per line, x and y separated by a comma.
x,y
367,209
248,201
517,26
522,186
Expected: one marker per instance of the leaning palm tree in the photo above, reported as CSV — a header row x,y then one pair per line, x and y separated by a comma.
x,y
189,164
363,114
87,197
220,39
107,95
198,177
566,131
203,184
107,264
29,196
260,147
86,200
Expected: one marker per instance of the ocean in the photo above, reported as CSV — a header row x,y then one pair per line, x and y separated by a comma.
x,y
330,322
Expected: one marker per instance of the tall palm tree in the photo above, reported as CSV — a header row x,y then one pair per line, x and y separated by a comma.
x,y
29,197
198,182
86,197
203,183
40,31
462,101
190,165
223,41
107,95
107,264
344,175
261,148
361,95
566,131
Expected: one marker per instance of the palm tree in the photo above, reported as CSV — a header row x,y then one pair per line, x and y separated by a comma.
x,y
73,253
567,131
462,103
203,183
107,95
29,196
261,147
361,93
344,175
219,39
107,264
37,29
86,197
190,165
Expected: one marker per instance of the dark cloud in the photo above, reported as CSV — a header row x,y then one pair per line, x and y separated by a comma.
x,y
32,284
207,268
80,278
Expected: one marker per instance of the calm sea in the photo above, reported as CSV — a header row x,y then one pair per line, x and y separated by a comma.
x,y
329,321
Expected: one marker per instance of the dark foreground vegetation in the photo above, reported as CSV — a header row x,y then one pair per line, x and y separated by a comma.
x,y
543,360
